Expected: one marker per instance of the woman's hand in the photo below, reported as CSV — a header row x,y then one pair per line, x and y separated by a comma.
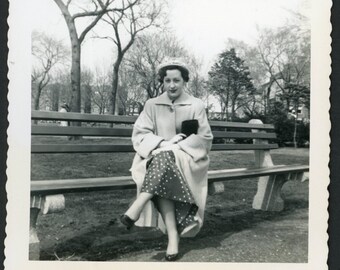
x,y
169,147
177,138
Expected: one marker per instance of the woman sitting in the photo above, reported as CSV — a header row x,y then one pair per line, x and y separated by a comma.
x,y
172,139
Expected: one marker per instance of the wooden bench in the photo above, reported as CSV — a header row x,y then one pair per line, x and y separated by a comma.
x,y
46,195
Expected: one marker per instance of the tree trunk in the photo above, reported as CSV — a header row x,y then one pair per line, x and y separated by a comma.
x,y
294,135
233,103
55,88
295,126
115,78
75,76
37,102
87,99
75,81
37,99
76,53
227,109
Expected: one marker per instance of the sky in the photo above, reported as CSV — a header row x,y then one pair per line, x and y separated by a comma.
x,y
202,25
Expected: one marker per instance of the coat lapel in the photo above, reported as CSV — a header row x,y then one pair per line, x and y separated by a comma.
x,y
163,99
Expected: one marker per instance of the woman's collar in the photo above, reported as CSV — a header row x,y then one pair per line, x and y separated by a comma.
x,y
183,99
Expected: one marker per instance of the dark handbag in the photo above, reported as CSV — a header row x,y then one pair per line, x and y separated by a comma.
x,y
189,127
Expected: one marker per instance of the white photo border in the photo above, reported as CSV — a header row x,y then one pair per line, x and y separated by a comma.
x,y
18,162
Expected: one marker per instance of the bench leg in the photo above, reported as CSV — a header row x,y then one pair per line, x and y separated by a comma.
x,y
268,197
34,243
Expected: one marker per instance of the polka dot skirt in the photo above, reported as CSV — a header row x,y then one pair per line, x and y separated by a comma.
x,y
163,179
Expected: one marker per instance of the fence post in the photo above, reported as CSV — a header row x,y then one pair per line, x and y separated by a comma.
x,y
268,196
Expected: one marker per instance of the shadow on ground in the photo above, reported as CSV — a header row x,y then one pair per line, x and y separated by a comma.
x,y
111,241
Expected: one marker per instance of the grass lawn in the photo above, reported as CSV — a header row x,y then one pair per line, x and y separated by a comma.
x,y
88,229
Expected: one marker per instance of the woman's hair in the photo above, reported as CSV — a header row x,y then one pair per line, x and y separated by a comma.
x,y
162,72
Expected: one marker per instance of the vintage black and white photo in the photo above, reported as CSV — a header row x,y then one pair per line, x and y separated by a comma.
x,y
166,132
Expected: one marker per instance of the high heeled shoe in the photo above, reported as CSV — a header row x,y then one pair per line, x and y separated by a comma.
x,y
171,257
127,221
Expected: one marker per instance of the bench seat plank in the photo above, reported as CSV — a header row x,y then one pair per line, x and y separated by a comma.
x,y
235,174
125,182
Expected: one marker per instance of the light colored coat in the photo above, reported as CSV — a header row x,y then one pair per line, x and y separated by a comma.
x,y
161,120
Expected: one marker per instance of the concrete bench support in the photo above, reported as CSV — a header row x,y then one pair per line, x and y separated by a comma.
x,y
268,196
34,243
44,205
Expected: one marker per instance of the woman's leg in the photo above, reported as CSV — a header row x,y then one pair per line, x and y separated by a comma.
x,y
167,210
137,206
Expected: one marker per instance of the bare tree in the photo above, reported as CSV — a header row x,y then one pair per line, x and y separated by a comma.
x,y
285,55
94,9
145,56
126,24
132,96
101,90
258,103
197,84
47,53
86,89
152,49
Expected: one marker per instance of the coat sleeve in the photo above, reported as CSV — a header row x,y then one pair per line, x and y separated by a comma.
x,y
198,145
143,138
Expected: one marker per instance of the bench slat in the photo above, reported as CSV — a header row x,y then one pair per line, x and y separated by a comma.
x,y
127,132
82,117
240,125
104,118
125,182
80,148
110,148
83,131
243,135
221,147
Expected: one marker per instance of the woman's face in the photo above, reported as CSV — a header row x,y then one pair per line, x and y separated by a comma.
x,y
173,83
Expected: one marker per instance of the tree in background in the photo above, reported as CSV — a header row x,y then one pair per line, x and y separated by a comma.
x,y
131,95
258,73
101,90
146,55
48,52
197,85
149,51
94,9
285,55
54,96
229,80
297,94
126,24
86,89
280,58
